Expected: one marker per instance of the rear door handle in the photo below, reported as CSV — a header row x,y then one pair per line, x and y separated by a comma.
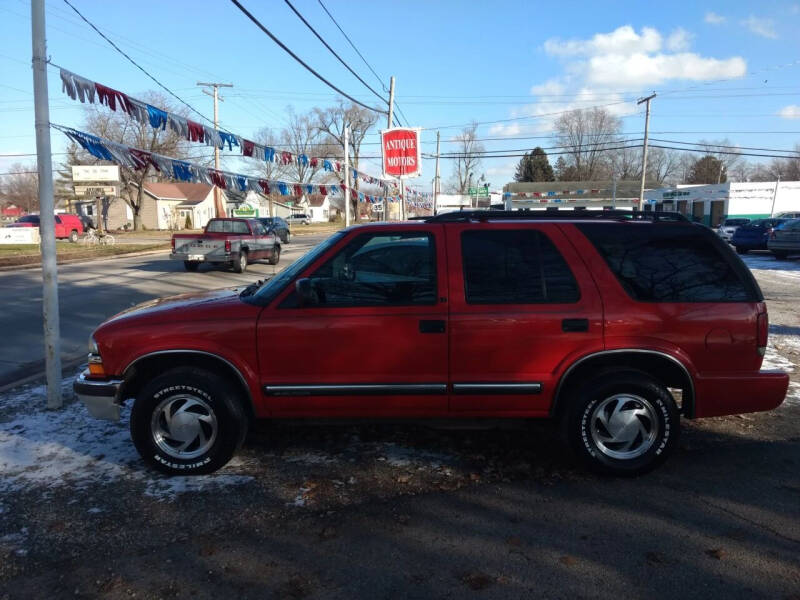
x,y
431,326
574,325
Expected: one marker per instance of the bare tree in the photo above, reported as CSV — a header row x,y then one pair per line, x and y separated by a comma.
x,y
302,136
683,169
118,127
269,170
331,123
587,134
468,149
662,164
21,188
626,163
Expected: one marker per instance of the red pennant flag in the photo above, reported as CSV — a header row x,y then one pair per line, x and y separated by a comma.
x,y
216,178
322,189
264,185
298,191
247,147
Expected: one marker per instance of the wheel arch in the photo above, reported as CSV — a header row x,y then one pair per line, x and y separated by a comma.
x,y
667,369
142,369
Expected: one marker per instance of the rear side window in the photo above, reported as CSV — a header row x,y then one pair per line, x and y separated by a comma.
x,y
515,267
671,263
222,226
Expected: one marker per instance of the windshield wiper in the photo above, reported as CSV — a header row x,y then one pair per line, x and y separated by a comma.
x,y
252,288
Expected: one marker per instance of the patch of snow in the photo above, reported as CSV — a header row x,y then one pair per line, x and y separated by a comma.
x,y
793,395
47,449
774,360
401,456
94,510
309,458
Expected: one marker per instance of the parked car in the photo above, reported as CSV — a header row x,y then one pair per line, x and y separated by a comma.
x,y
298,219
729,226
788,215
592,320
67,226
236,242
785,239
754,235
278,226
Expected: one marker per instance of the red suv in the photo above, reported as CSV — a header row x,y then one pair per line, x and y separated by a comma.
x,y
67,226
614,323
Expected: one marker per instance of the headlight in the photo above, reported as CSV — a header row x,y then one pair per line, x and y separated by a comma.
x,y
96,368
93,346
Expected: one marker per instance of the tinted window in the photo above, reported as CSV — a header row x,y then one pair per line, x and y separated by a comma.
x,y
222,226
515,267
671,263
378,270
29,219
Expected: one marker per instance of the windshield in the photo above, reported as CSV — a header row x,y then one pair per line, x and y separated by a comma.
x,y
29,219
273,287
226,226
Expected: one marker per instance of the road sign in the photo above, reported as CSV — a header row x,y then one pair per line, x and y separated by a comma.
x,y
93,191
95,173
401,152
482,192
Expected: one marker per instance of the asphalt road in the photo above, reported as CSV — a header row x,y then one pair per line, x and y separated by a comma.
x,y
90,292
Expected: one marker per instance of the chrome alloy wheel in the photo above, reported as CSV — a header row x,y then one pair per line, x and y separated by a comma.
x,y
184,426
624,426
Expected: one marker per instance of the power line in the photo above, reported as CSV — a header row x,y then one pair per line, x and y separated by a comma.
x,y
298,59
710,147
332,51
137,65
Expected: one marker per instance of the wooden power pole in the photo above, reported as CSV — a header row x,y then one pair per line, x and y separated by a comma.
x,y
218,208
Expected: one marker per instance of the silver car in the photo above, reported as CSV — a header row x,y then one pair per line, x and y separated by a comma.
x,y
728,227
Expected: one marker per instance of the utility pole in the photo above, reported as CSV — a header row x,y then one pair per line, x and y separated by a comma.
x,y
44,161
436,177
775,196
386,214
347,175
644,148
218,208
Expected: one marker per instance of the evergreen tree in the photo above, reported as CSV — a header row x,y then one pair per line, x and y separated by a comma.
x,y
565,172
708,170
534,166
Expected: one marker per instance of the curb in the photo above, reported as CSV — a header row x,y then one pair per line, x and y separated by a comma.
x,y
68,364
85,259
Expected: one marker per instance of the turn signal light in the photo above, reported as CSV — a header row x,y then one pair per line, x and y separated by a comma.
x,y
227,245
96,369
762,333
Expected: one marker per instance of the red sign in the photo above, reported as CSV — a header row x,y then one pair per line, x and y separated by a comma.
x,y
401,152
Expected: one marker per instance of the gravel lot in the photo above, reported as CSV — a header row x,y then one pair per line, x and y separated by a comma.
x,y
406,511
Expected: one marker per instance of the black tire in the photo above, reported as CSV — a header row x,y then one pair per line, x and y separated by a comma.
x,y
172,392
191,265
647,420
276,255
742,250
780,254
240,262
73,236
286,237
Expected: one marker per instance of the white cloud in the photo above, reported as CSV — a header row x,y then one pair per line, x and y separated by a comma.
x,y
548,88
622,40
761,26
505,130
790,112
679,40
713,18
643,70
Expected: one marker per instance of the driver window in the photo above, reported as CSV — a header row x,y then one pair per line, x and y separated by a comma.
x,y
386,269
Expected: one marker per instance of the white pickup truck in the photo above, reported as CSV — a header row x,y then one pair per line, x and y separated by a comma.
x,y
235,242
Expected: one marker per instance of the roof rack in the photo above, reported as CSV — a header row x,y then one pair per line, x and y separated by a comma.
x,y
548,215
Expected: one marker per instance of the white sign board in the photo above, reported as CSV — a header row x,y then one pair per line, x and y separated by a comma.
x,y
95,190
19,235
95,173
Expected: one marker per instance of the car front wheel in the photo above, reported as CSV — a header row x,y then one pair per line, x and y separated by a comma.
x,y
623,423
276,255
73,236
187,422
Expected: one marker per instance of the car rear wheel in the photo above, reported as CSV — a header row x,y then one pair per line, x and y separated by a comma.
x,y
622,423
73,236
191,265
240,262
286,237
187,422
276,255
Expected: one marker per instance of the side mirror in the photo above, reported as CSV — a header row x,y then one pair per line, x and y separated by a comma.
x,y
306,294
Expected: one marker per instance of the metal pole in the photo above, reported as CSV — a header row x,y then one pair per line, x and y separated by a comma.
x,y
347,176
219,210
774,196
402,200
44,158
391,100
436,178
644,148
614,191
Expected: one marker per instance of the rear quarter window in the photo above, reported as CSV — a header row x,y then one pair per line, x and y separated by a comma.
x,y
671,263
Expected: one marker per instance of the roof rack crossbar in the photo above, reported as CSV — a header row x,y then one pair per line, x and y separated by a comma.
x,y
546,215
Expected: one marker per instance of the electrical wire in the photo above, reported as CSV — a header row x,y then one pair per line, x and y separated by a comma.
x,y
710,147
332,51
286,49
137,65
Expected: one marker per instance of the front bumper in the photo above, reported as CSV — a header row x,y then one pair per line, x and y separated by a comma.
x,y
733,394
101,396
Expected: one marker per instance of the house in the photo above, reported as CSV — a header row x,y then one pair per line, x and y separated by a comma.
x,y
11,212
319,208
117,214
178,205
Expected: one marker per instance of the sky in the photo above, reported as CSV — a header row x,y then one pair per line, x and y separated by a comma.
x,y
720,69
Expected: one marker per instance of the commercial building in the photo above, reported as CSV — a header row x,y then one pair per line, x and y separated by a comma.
x,y
710,204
